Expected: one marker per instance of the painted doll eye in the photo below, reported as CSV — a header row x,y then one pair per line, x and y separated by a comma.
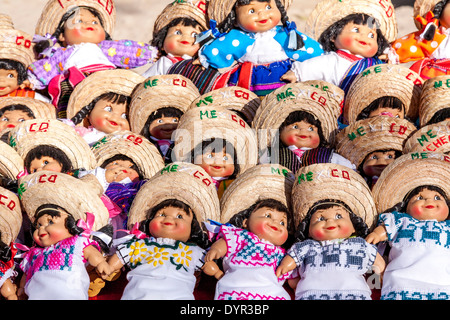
x,y
436,197
295,126
5,119
209,156
194,34
178,32
10,75
310,129
21,120
373,157
124,115
225,158
355,29
251,11
159,121
268,7
107,108
338,216
175,120
371,35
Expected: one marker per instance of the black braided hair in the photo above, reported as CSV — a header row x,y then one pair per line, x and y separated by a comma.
x,y
5,251
8,64
439,8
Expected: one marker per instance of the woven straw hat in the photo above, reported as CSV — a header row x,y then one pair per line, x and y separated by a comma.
x,y
324,105
363,137
170,90
434,97
203,123
120,81
380,81
195,9
32,133
421,7
263,181
430,138
332,181
143,153
15,44
41,109
218,10
233,98
55,9
186,182
407,172
74,195
11,163
10,216
327,12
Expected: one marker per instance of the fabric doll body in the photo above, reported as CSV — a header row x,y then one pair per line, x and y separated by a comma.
x,y
338,266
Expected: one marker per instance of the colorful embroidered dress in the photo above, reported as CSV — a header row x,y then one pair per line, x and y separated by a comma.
x,y
57,272
333,270
419,259
249,266
161,268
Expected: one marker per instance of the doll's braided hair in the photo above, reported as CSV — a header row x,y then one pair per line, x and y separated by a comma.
x,y
439,8
302,232
5,251
8,64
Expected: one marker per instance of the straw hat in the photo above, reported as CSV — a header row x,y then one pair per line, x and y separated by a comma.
x,y
233,98
430,138
380,81
120,81
407,172
363,137
32,133
55,9
11,163
327,12
263,181
324,105
421,7
170,90
10,216
74,195
332,181
434,97
186,182
203,123
195,9
143,153
15,44
218,10
41,109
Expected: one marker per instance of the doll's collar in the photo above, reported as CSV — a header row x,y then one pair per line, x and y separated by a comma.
x,y
324,243
344,53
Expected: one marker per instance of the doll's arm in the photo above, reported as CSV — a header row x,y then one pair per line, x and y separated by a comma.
x,y
97,260
129,54
9,290
379,264
286,265
212,269
21,290
289,77
217,250
115,264
42,71
377,235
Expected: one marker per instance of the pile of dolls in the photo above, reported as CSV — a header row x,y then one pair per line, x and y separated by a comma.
x,y
268,163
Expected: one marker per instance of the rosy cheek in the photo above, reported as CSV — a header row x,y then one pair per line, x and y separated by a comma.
x,y
315,141
99,123
154,228
290,140
415,211
229,170
317,234
346,42
169,46
250,27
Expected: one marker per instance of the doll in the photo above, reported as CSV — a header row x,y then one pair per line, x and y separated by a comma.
x,y
13,76
385,106
13,114
47,157
7,287
248,32
85,48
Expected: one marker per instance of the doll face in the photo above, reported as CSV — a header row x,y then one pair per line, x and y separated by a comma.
x,y
216,164
118,170
50,230
258,16
10,119
377,161
268,224
445,16
180,40
332,223
387,112
8,81
171,222
301,134
358,39
83,26
428,205
109,116
45,163
162,128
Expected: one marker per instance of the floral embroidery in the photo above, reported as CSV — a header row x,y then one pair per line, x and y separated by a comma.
x,y
182,259
137,253
47,67
112,52
157,256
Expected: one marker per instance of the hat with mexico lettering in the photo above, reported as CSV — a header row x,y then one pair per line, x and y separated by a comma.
x,y
205,123
74,195
119,81
10,216
11,163
356,141
161,91
54,10
324,105
421,7
182,181
328,12
139,149
324,181
15,44
435,96
431,138
52,132
263,181
39,108
235,98
383,80
408,172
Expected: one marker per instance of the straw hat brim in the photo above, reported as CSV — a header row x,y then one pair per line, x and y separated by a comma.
x,y
186,182
435,96
264,181
328,12
430,138
11,163
10,216
40,109
74,195
143,153
6,21
336,182
16,45
409,171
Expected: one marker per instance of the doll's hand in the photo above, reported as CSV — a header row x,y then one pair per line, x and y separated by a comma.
x,y
286,265
104,269
379,234
9,290
26,84
212,269
289,77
